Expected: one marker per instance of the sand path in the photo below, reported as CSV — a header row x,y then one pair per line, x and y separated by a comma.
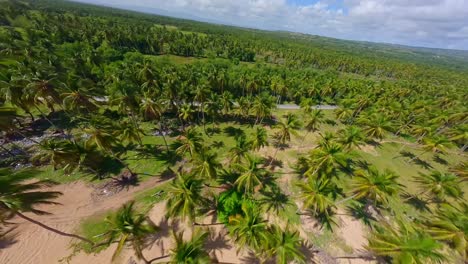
x,y
39,246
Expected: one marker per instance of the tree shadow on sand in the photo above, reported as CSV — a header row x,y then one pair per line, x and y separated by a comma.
x,y
7,238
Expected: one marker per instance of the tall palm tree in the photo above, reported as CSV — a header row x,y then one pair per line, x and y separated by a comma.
x,y
128,132
375,186
287,128
326,160
192,251
100,137
251,176
78,100
313,121
184,197
285,244
376,125
249,229
240,150
206,164
318,196
190,141
461,170
434,144
351,137
262,106
439,185
405,246
186,112
451,225
127,226
20,195
259,139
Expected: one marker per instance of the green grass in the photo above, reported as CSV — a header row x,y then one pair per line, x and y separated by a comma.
x,y
59,176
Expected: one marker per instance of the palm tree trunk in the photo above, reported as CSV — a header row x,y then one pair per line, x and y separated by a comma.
x,y
53,229
274,157
158,258
212,224
346,199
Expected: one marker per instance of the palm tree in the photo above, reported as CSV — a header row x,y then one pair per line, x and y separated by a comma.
x,y
190,141
351,137
184,197
461,170
249,229
327,159
376,125
405,246
314,119
206,164
130,133
451,225
440,185
262,106
251,174
240,150
285,245
318,196
127,226
192,251
286,129
20,195
78,100
186,112
259,139
100,137
435,144
375,186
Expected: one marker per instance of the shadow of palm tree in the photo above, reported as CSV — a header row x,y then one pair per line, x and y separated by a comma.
x,y
169,157
358,211
233,131
440,160
218,144
309,251
407,154
213,130
250,259
217,242
362,164
422,163
272,163
7,238
418,203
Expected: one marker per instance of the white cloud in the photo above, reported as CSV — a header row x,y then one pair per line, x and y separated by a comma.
x,y
433,23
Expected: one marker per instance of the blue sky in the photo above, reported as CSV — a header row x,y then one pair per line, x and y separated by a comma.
x,y
428,23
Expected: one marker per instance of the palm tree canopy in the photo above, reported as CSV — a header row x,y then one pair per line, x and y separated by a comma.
x,y
451,225
440,185
128,226
405,246
374,185
190,252
249,229
285,245
185,196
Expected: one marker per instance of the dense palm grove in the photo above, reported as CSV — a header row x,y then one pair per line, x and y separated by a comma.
x,y
93,79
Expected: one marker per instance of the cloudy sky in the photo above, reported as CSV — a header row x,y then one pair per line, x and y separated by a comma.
x,y
428,23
